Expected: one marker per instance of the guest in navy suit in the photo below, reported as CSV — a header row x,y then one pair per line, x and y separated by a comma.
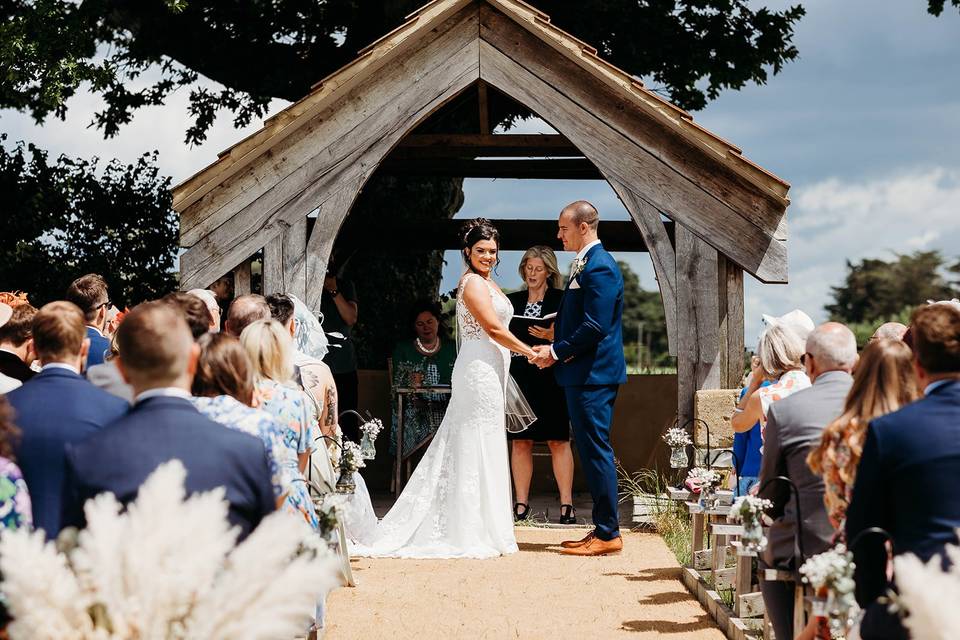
x,y
588,351
158,357
90,293
56,408
906,481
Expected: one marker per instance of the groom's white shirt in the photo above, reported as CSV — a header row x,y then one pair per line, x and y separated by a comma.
x,y
577,258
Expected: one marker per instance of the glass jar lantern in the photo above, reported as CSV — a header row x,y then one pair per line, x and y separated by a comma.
x,y
678,458
368,451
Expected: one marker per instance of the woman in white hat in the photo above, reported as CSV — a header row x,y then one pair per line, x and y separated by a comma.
x,y
7,384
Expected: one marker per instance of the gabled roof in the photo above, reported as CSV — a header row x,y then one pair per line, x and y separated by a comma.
x,y
419,25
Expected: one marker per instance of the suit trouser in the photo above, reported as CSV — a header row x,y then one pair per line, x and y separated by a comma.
x,y
778,602
591,411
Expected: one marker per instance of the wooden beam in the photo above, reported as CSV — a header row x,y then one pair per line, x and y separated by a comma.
x,y
515,235
698,348
348,142
659,242
565,169
329,220
730,290
483,106
295,258
672,174
519,145
273,266
241,278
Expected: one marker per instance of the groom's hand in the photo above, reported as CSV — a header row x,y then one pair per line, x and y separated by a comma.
x,y
543,358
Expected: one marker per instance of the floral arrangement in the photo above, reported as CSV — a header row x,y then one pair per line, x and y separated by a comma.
x,y
330,510
351,457
748,509
13,299
677,437
372,428
832,569
700,478
924,589
167,567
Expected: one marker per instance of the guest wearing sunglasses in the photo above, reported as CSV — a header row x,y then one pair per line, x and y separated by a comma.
x,y
90,293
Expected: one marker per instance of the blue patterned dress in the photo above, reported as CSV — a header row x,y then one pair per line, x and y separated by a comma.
x,y
285,475
15,509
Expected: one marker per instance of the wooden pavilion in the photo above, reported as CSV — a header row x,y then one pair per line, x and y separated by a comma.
x,y
703,211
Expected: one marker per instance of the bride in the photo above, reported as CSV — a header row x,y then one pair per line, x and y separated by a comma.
x,y
457,503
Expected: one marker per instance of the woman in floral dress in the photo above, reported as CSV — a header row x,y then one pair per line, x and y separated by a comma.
x,y
224,388
15,508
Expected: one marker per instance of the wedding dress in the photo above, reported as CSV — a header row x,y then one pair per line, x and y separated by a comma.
x,y
457,502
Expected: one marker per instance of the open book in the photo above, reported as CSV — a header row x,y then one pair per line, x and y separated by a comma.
x,y
549,316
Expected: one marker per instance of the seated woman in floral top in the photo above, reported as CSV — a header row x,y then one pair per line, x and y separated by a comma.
x,y
15,509
270,348
224,386
883,382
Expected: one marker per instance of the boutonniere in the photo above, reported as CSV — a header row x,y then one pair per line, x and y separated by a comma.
x,y
578,266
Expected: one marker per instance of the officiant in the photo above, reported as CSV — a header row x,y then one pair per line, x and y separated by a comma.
x,y
534,308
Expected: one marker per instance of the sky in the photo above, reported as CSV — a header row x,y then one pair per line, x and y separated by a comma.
x,y
865,125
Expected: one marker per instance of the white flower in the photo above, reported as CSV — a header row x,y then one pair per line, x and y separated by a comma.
x,y
925,591
832,569
372,428
578,265
701,477
748,509
677,437
352,456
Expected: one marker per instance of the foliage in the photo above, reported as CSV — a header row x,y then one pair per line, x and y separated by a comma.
x,y
134,54
876,290
670,517
64,214
64,218
935,7
643,313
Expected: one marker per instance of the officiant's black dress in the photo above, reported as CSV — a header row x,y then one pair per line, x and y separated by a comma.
x,y
539,386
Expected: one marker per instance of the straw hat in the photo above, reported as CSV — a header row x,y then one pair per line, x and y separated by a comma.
x,y
5,312
796,320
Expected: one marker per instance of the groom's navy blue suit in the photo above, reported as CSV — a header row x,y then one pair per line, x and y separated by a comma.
x,y
588,342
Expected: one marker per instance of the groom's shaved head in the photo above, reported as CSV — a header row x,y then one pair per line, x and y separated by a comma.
x,y
582,211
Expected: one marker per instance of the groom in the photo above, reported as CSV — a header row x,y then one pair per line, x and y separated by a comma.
x,y
588,352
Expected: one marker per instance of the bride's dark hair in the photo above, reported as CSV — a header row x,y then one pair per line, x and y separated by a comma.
x,y
472,232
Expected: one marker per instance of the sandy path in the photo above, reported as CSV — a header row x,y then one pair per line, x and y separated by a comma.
x,y
536,593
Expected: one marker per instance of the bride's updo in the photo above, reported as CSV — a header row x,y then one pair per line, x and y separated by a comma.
x,y
472,232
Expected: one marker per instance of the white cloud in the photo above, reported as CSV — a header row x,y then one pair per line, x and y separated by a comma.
x,y
837,220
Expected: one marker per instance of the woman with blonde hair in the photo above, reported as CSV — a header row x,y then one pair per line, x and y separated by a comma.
x,y
883,382
534,307
270,348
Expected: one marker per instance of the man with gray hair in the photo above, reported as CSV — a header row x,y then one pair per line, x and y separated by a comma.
x,y
244,311
889,331
794,427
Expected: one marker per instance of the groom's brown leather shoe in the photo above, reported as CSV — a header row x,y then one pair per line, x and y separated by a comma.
x,y
596,547
573,544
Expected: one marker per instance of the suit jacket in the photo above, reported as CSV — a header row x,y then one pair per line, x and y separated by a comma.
x,y
588,334
121,456
54,409
794,427
99,346
14,367
106,376
906,484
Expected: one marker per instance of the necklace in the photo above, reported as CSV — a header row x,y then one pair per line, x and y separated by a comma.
x,y
427,351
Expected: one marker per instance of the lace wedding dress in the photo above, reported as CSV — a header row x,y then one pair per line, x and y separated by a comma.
x,y
457,503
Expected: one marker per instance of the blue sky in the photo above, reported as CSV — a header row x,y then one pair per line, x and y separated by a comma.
x,y
865,125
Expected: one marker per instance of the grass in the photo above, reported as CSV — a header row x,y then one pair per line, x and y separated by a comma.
x,y
670,518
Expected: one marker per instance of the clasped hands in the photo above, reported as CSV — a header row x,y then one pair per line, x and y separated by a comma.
x,y
541,357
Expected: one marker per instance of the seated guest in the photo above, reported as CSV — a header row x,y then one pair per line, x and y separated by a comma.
x,y
16,344
15,510
89,292
210,299
57,408
911,459
243,311
7,383
270,348
889,331
425,360
106,376
884,382
794,428
223,385
193,310
309,371
158,357
778,361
